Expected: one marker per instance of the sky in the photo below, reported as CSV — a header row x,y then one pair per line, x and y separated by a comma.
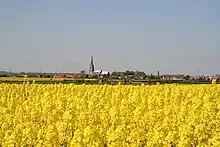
x,y
172,36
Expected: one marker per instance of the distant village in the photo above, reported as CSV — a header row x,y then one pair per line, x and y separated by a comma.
x,y
103,74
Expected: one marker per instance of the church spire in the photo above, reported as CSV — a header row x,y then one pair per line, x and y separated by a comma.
x,y
91,67
91,60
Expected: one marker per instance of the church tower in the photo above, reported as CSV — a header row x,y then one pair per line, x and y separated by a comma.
x,y
91,66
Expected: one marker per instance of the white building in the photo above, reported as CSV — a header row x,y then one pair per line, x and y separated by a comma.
x,y
101,73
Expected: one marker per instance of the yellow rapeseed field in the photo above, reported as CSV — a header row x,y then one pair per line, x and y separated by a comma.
x,y
109,116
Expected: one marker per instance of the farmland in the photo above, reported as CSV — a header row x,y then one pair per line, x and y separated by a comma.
x,y
28,79
94,81
107,115
38,80
34,79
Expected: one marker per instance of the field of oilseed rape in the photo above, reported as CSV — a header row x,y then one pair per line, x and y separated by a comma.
x,y
109,116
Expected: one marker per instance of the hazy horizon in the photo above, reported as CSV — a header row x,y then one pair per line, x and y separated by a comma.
x,y
54,36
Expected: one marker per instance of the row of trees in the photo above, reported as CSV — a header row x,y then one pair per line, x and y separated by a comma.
x,y
135,75
142,75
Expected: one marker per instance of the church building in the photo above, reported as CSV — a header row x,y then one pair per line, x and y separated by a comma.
x,y
97,73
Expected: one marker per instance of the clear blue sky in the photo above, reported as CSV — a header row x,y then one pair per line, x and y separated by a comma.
x,y
178,36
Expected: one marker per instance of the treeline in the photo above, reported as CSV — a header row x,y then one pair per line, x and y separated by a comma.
x,y
111,82
31,75
135,75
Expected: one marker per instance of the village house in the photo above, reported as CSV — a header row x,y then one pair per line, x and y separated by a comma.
x,y
173,77
216,77
101,73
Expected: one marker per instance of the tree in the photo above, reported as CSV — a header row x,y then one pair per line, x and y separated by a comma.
x,y
158,74
118,74
151,76
129,73
82,72
139,74
187,77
